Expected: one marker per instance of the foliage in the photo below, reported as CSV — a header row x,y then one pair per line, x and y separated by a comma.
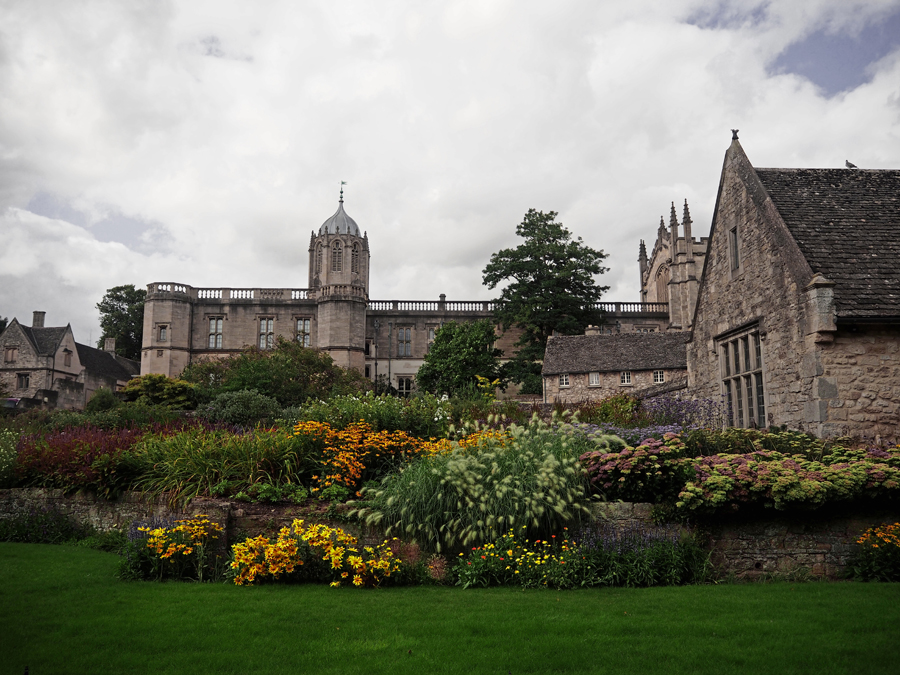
x,y
266,492
122,318
46,525
4,322
356,454
246,408
423,415
460,353
181,550
218,462
8,441
598,556
550,286
286,558
127,416
159,390
289,372
484,485
877,556
102,400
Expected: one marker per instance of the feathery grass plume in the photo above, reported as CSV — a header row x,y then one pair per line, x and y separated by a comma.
x,y
524,476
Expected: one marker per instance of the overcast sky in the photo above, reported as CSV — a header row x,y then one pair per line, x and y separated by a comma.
x,y
202,142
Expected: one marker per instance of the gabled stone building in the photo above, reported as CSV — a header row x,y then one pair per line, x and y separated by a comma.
x,y
46,367
798,316
593,366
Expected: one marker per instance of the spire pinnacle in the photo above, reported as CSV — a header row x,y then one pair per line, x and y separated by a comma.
x,y
687,214
343,183
673,219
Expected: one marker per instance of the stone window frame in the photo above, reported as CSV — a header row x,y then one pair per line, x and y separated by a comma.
x,y
354,258
429,337
659,376
594,379
9,354
67,358
734,251
23,380
564,380
404,341
406,384
742,376
266,324
162,332
625,379
318,258
216,324
337,256
303,330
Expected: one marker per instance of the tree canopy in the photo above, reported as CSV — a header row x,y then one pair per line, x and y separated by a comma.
x,y
122,318
550,286
459,353
290,373
4,321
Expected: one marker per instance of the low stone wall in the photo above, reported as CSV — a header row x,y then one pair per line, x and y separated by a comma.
x,y
818,543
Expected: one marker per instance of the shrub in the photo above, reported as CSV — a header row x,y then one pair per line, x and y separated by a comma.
x,y
299,551
877,554
526,476
159,390
241,408
181,551
103,399
8,441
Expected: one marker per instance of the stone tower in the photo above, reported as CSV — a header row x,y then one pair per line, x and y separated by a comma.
x,y
339,283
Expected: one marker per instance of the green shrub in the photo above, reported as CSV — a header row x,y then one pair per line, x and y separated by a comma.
x,y
154,389
527,476
241,408
877,554
423,416
103,399
8,441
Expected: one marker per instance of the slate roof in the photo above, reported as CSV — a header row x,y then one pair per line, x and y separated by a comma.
x,y
847,225
103,364
45,340
340,223
622,351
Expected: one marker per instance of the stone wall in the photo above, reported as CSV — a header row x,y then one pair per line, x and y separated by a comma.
x,y
579,389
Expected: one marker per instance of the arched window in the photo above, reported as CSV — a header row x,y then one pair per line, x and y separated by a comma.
x,y
337,257
318,258
354,259
662,285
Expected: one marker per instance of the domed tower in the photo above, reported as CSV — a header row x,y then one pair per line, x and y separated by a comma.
x,y
339,282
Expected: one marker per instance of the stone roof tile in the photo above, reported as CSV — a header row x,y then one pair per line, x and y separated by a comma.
x,y
611,353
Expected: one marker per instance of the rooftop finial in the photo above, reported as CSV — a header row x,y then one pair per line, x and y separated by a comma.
x,y
687,214
734,133
673,219
343,183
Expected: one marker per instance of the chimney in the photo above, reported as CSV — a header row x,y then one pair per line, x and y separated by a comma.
x,y
37,320
109,345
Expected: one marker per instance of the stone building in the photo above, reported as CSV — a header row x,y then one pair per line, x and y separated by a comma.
x,y
579,368
333,312
798,315
45,367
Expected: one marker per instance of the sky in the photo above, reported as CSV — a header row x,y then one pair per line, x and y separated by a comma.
x,y
202,142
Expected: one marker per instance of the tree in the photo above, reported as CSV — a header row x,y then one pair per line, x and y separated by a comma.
x,y
551,288
290,373
3,323
459,353
122,318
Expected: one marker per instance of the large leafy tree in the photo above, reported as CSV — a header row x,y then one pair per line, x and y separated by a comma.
x,y
459,353
290,373
548,285
122,318
4,321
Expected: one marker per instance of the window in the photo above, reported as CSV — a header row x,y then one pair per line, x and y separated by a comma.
x,y
430,338
368,373
22,381
303,335
564,380
625,378
67,358
639,329
337,257
9,354
318,262
163,333
405,386
354,258
215,332
659,376
733,248
266,332
593,379
368,347
742,378
404,342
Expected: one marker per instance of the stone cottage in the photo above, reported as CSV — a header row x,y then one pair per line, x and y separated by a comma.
x,y
45,367
798,314
593,366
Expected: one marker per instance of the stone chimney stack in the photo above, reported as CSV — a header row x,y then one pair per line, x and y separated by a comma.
x,y
37,320
109,345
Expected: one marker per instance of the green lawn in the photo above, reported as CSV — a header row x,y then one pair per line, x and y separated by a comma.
x,y
62,611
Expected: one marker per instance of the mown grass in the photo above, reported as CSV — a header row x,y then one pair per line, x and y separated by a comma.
x,y
64,612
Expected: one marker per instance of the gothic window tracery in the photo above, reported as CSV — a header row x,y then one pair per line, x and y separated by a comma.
x,y
318,258
337,257
354,258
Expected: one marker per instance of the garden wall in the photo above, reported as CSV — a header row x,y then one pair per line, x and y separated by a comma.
x,y
818,543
